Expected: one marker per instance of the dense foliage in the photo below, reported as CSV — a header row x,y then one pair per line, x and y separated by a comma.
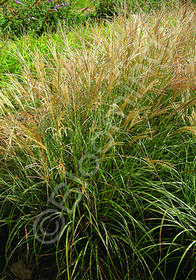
x,y
20,16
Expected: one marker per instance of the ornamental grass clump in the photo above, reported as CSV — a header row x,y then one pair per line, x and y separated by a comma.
x,y
109,114
37,16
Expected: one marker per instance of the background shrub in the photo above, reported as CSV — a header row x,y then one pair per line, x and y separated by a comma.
x,y
23,16
18,17
105,8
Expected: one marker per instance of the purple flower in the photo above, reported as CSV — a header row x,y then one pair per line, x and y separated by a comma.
x,y
18,2
55,7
